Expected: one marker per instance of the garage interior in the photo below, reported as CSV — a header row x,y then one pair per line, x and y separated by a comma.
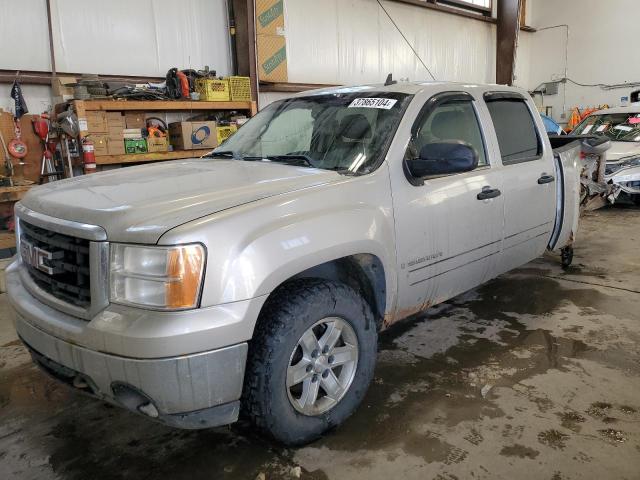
x,y
535,374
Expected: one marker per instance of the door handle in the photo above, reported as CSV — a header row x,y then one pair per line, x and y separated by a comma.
x,y
488,192
545,179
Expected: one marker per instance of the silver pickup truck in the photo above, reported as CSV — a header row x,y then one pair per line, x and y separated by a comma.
x,y
256,279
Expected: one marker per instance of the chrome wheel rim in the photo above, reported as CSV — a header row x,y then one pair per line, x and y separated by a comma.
x,y
322,366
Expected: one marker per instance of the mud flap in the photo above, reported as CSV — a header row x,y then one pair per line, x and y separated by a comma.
x,y
567,168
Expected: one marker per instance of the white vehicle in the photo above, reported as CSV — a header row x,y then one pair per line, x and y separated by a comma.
x,y
624,175
258,278
621,125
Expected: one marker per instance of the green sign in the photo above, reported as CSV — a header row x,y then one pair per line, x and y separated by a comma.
x,y
272,63
270,14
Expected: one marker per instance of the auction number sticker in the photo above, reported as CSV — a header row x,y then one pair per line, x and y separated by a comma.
x,y
384,103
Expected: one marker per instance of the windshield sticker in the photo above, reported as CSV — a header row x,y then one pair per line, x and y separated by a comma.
x,y
623,127
587,129
601,128
384,103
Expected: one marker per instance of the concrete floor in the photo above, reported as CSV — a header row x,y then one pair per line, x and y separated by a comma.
x,y
534,375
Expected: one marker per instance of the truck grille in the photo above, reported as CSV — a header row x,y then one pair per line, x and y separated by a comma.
x,y
57,263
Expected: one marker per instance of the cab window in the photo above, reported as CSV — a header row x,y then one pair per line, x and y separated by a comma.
x,y
453,120
516,131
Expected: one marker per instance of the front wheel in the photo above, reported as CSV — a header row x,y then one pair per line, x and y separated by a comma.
x,y
311,360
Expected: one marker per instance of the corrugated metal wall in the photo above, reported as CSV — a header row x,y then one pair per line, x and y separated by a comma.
x,y
118,37
353,41
332,41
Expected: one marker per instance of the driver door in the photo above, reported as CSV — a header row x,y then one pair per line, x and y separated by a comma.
x,y
448,237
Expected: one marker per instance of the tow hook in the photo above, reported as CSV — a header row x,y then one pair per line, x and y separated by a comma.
x,y
80,383
133,399
148,409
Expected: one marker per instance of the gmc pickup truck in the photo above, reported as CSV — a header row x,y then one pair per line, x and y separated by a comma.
x,y
257,278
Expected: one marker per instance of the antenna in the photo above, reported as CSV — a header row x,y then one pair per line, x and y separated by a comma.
x,y
405,39
390,81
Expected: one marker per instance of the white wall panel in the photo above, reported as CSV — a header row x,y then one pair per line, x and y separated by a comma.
x,y
523,60
312,40
24,35
143,38
601,50
353,41
38,98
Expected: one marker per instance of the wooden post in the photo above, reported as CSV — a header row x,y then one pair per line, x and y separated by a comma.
x,y
244,12
507,39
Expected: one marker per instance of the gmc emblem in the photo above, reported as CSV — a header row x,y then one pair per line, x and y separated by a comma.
x,y
35,256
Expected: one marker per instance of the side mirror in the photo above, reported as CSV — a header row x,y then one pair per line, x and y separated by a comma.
x,y
443,158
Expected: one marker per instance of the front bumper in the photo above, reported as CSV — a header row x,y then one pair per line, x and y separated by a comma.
x,y
192,391
184,369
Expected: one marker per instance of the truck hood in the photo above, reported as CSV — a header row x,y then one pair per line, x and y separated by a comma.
x,y
620,150
139,204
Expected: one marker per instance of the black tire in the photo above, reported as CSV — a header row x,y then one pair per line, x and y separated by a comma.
x,y
288,313
566,255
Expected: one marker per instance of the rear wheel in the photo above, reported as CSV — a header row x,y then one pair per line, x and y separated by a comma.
x,y
311,360
566,255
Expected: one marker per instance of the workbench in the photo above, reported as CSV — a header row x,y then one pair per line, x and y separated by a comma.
x,y
82,106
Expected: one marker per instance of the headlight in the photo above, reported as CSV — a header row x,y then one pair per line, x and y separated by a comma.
x,y
164,278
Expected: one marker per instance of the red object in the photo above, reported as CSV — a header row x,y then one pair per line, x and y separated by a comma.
x,y
17,148
41,126
184,84
88,155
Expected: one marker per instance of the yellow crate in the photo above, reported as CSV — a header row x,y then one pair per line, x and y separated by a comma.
x,y
240,88
224,132
213,90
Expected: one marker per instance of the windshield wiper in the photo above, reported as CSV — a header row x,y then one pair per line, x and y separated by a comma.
x,y
293,158
225,154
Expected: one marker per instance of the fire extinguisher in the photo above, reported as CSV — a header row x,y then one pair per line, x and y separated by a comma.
x,y
88,156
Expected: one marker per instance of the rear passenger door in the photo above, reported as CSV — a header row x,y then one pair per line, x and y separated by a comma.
x,y
448,230
529,178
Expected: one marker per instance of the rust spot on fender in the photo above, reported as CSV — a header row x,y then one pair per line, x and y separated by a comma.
x,y
391,318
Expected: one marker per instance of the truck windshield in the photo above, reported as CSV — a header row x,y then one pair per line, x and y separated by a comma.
x,y
347,132
620,127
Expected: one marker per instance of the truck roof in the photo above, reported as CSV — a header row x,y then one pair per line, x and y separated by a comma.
x,y
411,88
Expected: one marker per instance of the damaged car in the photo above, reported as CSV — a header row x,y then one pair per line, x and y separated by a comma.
x,y
624,178
621,125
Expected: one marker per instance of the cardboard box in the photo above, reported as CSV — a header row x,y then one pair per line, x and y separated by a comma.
x,y
100,143
115,146
272,58
115,120
132,133
193,135
96,122
270,17
157,144
135,145
60,88
115,133
134,120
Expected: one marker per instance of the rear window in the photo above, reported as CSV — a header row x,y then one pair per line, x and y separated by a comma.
x,y
517,135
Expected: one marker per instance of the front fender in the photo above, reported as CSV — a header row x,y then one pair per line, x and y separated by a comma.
x,y
253,248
